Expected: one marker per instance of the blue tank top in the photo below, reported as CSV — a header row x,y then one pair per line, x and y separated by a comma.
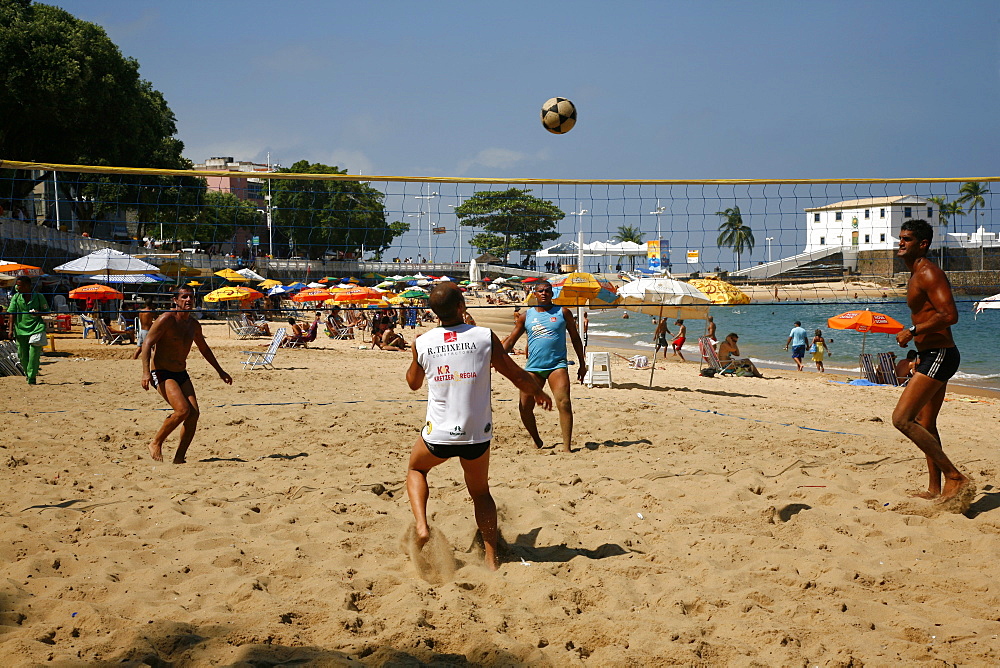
x,y
546,339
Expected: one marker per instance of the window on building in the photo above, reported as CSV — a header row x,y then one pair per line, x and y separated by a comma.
x,y
815,217
868,214
822,241
881,237
930,212
840,215
907,212
881,213
868,238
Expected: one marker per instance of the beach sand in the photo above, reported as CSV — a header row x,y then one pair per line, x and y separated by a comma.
x,y
702,521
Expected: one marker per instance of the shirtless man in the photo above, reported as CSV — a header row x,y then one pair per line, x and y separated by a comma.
x,y
660,337
455,358
171,335
681,338
710,329
932,309
146,317
547,325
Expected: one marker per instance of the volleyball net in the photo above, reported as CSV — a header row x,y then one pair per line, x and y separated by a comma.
x,y
300,225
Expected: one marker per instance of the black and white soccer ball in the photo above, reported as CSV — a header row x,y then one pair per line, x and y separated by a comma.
x,y
558,115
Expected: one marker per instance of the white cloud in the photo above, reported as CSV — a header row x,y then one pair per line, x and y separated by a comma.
x,y
499,158
355,162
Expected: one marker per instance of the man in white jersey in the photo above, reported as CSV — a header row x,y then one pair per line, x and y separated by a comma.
x,y
455,358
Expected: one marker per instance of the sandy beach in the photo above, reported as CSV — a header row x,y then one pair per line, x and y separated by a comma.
x,y
700,521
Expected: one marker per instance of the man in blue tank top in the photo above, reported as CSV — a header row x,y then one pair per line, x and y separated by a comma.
x,y
547,326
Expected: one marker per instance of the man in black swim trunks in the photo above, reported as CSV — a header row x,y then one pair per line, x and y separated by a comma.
x,y
455,358
932,309
169,341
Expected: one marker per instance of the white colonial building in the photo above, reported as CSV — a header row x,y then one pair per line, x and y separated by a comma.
x,y
867,224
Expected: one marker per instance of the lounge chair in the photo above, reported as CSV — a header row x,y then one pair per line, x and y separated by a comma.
x,y
339,332
112,336
242,330
887,367
258,358
710,358
869,369
308,337
10,364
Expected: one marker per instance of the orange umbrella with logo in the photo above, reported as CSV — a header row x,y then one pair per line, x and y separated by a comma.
x,y
18,268
95,291
865,321
357,294
312,295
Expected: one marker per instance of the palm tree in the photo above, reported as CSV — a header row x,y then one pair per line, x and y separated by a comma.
x,y
972,192
946,210
942,219
734,234
628,233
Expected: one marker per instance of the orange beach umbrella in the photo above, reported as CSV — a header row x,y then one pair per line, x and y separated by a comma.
x,y
865,321
95,291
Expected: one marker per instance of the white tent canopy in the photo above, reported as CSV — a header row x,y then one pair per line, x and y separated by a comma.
x,y
107,261
595,249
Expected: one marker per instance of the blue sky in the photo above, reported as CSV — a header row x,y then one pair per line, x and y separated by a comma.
x,y
665,90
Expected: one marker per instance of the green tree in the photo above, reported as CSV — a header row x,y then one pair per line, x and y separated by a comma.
x,y
511,220
628,233
972,194
319,215
68,95
733,233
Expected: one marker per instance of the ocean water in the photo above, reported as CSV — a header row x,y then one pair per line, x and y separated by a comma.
x,y
763,329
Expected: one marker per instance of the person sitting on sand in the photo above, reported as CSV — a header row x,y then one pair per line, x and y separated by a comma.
x,y
729,351
335,324
384,337
455,358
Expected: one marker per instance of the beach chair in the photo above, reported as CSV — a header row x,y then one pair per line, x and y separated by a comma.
x,y
88,326
258,358
242,330
710,358
10,363
111,336
869,370
887,367
339,333
308,337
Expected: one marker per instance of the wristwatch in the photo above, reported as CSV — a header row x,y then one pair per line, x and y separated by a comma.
x,y
912,329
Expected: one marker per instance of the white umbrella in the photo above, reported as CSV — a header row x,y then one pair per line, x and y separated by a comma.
x,y
107,261
665,297
988,303
123,278
475,276
250,274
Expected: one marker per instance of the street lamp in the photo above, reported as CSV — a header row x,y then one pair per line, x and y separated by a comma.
x,y
659,210
458,224
768,240
430,230
579,234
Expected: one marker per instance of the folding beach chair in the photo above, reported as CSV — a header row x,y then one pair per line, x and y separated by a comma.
x,y
10,364
888,369
308,337
869,370
710,358
241,329
112,336
257,358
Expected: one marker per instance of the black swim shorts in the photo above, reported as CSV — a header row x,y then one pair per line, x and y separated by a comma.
x,y
938,363
448,450
162,376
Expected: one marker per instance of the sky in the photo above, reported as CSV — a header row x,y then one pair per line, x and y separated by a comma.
x,y
664,90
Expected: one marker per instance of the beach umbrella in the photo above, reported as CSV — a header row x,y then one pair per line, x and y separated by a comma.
x,y
664,298
865,321
475,276
125,278
279,290
178,269
987,304
268,284
249,274
315,285
313,295
529,279
18,269
231,275
107,261
720,292
415,293
298,285
373,276
95,291
233,293
356,295
193,284
580,288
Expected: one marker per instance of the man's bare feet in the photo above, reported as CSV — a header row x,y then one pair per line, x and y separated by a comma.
x,y
539,443
156,452
420,537
180,460
492,561
952,488
926,495
565,448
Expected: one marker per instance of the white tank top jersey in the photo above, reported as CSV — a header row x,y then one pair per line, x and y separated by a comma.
x,y
456,361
